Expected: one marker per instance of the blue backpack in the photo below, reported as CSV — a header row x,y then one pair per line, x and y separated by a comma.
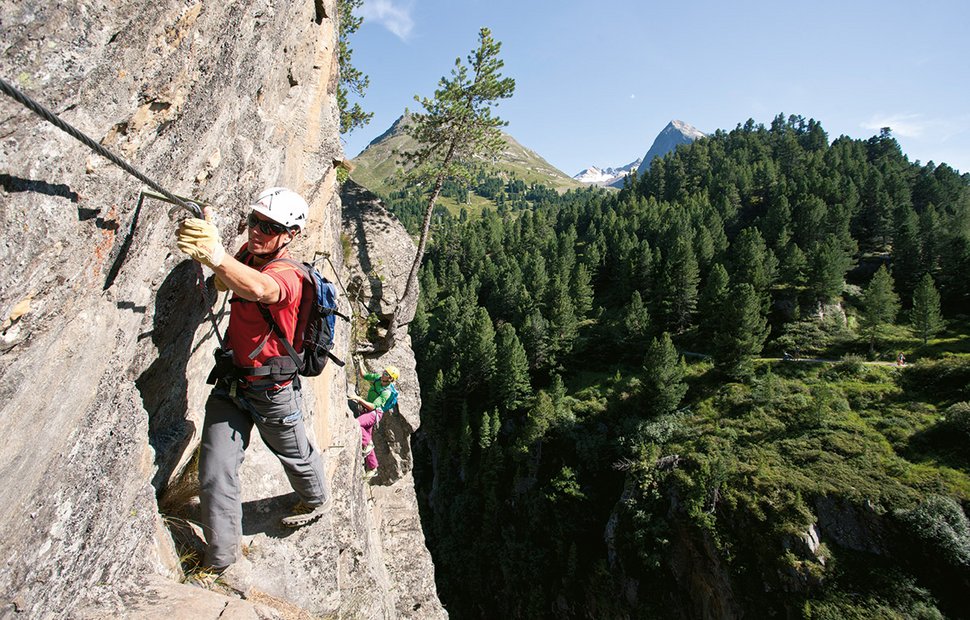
x,y
320,324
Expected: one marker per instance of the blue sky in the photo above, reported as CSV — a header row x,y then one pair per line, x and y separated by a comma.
x,y
596,82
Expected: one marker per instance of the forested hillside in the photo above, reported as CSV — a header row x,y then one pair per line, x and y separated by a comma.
x,y
682,400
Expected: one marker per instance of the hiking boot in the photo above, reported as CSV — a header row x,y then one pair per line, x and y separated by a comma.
x,y
304,513
370,473
368,449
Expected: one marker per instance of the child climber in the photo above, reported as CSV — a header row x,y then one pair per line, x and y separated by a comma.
x,y
380,397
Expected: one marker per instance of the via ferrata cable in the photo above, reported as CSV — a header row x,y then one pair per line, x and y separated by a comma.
x,y
11,91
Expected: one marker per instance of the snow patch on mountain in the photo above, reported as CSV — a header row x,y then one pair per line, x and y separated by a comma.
x,y
605,176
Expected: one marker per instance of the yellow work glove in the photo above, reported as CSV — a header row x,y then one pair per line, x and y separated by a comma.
x,y
201,241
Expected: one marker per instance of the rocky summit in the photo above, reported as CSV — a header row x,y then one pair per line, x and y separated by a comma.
x,y
674,134
106,340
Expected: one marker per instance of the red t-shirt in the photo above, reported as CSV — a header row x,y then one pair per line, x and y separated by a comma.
x,y
247,327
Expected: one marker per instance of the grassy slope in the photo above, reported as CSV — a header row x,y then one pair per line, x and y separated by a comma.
x,y
871,436
376,167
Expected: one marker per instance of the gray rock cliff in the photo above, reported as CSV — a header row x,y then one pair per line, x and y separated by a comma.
x,y
104,338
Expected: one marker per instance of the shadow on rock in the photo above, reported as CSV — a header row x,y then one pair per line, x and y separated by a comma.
x,y
163,385
262,516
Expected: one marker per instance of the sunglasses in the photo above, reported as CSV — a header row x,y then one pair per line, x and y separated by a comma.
x,y
267,227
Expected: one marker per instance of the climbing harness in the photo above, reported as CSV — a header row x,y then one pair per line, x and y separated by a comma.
x,y
191,206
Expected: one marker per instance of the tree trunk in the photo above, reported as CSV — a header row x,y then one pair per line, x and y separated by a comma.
x,y
409,298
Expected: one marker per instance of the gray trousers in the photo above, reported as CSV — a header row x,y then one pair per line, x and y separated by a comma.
x,y
229,420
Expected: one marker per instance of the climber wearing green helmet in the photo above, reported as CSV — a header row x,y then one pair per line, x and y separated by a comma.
x,y
381,397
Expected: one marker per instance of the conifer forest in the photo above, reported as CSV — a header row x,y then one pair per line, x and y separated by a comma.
x,y
686,398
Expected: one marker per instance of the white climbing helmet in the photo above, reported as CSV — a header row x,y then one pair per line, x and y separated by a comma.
x,y
282,205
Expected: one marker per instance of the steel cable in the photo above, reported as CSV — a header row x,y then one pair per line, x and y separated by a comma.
x,y
38,109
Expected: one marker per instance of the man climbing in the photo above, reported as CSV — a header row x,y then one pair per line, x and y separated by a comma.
x,y
381,397
256,382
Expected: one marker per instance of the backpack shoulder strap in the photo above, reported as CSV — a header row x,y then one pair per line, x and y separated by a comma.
x,y
301,267
305,270
279,334
268,316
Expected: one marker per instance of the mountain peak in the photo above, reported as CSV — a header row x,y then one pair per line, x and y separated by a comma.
x,y
674,134
685,129
379,163
396,128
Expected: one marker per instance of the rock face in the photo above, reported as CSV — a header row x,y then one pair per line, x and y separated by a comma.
x,y
377,281
105,338
383,253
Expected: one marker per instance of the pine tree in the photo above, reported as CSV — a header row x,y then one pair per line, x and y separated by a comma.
x,y
704,242
420,326
635,329
681,277
429,287
880,305
809,218
582,291
794,265
485,432
541,416
753,262
712,301
875,218
925,315
477,351
352,80
536,277
433,414
644,276
663,377
535,338
466,439
564,329
907,257
828,265
456,130
954,265
742,334
512,385
778,224
931,238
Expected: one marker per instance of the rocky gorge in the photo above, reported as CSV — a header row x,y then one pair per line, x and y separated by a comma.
x,y
105,341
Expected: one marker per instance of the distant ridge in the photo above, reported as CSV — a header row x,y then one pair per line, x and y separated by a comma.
x,y
606,176
395,128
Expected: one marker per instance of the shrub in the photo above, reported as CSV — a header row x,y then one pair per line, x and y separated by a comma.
x,y
945,379
849,366
957,421
943,529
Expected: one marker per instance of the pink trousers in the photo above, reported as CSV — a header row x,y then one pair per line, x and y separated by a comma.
x,y
367,422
